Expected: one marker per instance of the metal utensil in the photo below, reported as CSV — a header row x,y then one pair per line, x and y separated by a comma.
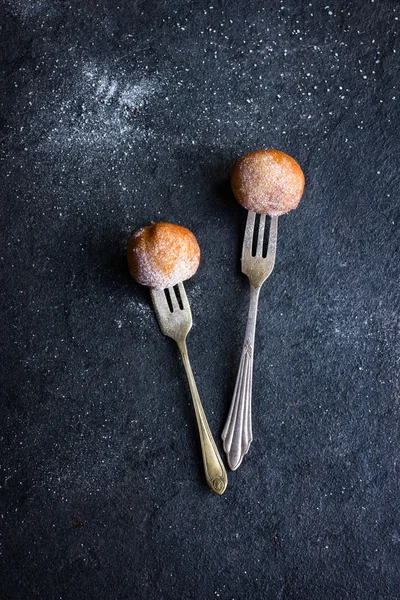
x,y
237,434
175,320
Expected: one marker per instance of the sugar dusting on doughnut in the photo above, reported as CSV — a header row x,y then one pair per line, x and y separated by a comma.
x,y
162,255
267,181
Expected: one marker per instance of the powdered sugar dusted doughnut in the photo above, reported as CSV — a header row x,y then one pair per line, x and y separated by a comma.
x,y
267,181
162,255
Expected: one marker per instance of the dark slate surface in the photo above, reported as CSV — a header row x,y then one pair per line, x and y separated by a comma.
x,y
118,113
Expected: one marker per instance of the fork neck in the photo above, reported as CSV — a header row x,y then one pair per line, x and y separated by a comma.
x,y
252,316
182,347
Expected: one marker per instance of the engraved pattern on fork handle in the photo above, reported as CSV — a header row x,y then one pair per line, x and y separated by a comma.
x,y
237,434
214,468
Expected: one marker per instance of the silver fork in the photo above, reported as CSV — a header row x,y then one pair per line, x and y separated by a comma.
x,y
237,434
176,324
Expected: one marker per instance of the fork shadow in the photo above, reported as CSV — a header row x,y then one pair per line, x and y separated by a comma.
x,y
236,214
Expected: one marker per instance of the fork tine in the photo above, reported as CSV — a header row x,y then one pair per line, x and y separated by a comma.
x,y
174,299
160,302
273,234
249,233
182,291
260,239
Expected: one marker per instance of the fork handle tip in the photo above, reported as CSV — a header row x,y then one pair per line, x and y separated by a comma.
x,y
219,484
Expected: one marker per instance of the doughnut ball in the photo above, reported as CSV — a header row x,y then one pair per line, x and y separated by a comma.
x,y
162,255
267,181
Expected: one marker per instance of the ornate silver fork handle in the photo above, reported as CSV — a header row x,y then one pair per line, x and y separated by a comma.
x,y
237,434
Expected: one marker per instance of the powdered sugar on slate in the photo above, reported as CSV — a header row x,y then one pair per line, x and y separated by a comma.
x,y
100,109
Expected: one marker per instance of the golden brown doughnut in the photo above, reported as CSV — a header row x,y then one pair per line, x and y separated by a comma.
x,y
162,255
267,181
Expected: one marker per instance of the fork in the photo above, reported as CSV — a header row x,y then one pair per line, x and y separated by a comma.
x,y
237,434
175,321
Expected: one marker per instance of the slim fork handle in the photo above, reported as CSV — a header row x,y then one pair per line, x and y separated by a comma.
x,y
214,469
237,433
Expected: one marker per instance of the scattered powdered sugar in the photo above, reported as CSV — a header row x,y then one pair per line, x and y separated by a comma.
x,y
100,109
109,87
140,309
27,9
284,82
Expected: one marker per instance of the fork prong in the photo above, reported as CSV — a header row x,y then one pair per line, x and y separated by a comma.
x,y
160,301
273,234
174,299
182,291
260,238
249,233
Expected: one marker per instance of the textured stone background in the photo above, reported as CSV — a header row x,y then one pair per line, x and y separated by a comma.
x,y
116,113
